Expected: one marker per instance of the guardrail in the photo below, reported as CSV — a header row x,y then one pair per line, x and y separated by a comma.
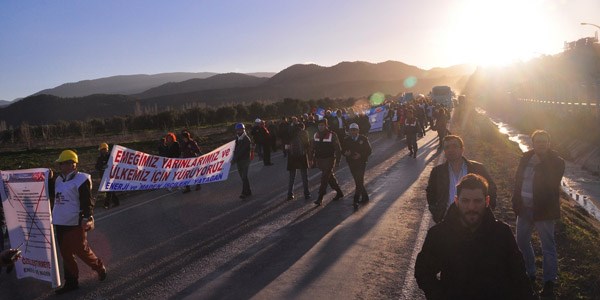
x,y
581,104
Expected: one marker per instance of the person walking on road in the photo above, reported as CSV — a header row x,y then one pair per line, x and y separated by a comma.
x,y
262,138
536,202
357,149
189,148
73,217
441,126
441,188
298,157
412,127
101,165
475,255
242,157
326,154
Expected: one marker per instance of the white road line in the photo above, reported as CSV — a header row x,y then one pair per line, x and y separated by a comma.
x,y
132,207
408,288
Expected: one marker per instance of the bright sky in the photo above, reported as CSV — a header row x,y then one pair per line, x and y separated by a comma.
x,y
45,43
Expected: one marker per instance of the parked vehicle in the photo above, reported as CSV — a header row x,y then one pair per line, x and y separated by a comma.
x,y
442,95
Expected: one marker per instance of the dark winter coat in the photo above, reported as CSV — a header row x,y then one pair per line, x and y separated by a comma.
x,y
102,162
173,151
412,127
364,124
360,146
242,149
441,122
546,185
190,149
261,135
326,145
484,264
298,138
438,187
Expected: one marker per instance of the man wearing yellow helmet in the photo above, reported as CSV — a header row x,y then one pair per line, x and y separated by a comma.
x,y
72,216
101,165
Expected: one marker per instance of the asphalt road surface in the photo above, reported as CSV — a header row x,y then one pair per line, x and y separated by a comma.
x,y
209,244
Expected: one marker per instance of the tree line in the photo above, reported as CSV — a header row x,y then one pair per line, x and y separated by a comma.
x,y
165,120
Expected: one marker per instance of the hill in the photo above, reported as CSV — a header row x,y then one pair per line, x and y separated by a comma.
x,y
121,84
48,109
344,80
310,81
219,81
4,103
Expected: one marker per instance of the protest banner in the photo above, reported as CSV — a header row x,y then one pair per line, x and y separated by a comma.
x,y
131,170
376,115
26,203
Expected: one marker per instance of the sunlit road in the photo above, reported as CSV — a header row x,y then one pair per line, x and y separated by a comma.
x,y
210,244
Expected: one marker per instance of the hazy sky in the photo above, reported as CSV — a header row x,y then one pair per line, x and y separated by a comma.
x,y
47,43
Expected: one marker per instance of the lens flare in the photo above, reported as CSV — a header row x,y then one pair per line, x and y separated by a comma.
x,y
410,82
377,98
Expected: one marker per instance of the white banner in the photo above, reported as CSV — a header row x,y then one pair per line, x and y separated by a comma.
x,y
26,204
131,170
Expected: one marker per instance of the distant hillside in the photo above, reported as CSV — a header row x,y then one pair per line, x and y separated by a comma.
x,y
344,80
122,84
464,69
262,74
48,109
4,103
344,72
220,81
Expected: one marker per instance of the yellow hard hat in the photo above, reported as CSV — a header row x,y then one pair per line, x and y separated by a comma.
x,y
67,155
103,146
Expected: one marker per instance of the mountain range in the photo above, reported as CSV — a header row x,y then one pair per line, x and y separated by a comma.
x,y
121,95
121,84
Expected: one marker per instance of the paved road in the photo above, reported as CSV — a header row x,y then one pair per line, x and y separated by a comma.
x,y
212,245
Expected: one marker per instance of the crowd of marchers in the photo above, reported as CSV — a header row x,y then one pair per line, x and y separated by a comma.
x,y
467,254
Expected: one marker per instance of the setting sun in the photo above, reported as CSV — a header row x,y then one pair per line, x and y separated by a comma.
x,y
499,32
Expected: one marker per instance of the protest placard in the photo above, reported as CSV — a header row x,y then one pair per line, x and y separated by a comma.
x,y
26,204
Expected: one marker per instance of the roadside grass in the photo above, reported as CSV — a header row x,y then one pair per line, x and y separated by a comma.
x,y
577,232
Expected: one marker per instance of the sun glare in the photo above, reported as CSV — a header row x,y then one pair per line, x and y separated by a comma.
x,y
493,33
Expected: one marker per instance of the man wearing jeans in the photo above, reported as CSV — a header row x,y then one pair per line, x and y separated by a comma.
x,y
536,202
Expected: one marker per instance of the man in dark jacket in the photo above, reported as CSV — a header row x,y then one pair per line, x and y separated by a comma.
x,y
101,165
189,149
441,126
356,148
441,187
298,157
326,153
283,132
262,139
536,202
475,255
242,157
364,124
